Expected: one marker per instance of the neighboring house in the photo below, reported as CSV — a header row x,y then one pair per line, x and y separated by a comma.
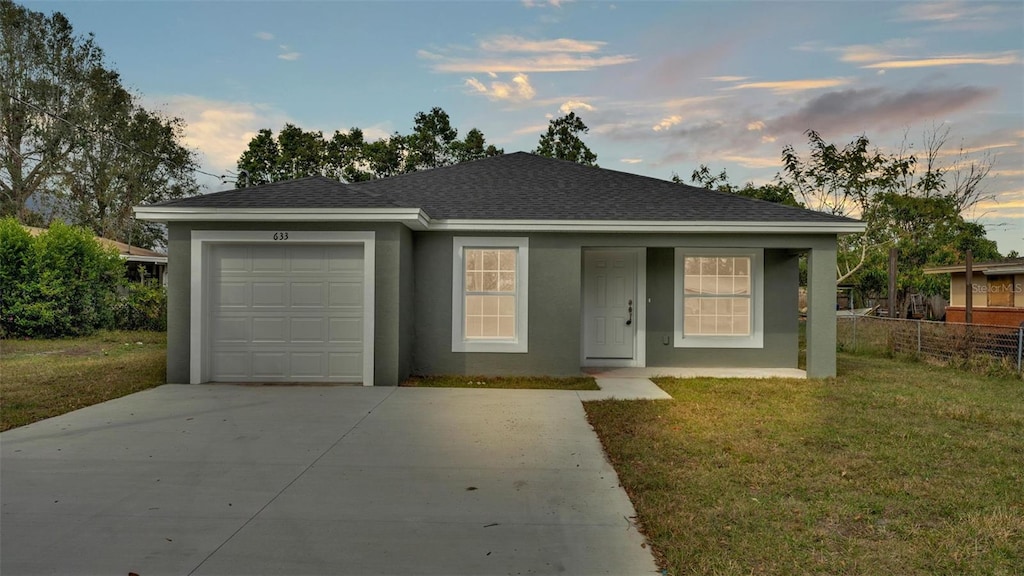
x,y
514,264
997,292
141,263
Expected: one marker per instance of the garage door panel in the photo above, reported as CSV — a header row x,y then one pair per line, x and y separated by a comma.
x,y
346,330
346,366
342,258
269,329
233,295
269,294
307,259
269,365
342,294
231,330
281,314
307,330
307,365
230,365
270,259
233,259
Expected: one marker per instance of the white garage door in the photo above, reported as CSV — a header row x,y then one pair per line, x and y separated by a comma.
x,y
286,313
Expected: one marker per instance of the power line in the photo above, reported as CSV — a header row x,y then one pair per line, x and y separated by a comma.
x,y
221,177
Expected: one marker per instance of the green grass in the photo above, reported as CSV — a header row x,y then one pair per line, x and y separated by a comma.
x,y
891,468
45,378
509,382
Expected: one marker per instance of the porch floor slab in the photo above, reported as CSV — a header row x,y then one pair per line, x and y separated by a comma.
x,y
694,372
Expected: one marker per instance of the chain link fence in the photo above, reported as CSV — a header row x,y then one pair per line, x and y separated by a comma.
x,y
973,346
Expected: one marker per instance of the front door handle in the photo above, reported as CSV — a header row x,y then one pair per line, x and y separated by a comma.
x,y
630,321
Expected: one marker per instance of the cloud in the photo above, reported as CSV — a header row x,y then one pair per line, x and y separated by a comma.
x,y
573,105
544,3
519,90
513,54
520,44
631,160
547,63
220,130
727,78
290,56
667,123
537,129
1003,59
264,35
791,86
752,161
860,109
756,126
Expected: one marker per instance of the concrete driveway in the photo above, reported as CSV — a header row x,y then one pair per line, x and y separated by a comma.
x,y
316,480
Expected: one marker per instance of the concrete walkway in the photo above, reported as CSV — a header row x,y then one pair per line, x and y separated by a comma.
x,y
316,480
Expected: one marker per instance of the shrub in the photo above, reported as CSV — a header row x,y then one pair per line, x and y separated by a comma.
x,y
65,285
143,306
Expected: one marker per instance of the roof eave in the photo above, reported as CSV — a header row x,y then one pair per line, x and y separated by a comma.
x,y
417,219
414,218
647,226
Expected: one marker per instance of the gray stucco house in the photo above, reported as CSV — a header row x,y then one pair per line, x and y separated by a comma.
x,y
515,264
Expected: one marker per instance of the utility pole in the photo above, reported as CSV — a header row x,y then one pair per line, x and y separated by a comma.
x,y
969,288
892,282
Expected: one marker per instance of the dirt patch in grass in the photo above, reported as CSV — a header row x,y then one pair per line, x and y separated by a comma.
x,y
891,468
45,378
512,382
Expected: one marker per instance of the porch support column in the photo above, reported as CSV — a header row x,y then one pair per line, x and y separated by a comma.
x,y
821,311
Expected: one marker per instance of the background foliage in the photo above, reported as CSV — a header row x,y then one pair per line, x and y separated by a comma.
x,y
63,282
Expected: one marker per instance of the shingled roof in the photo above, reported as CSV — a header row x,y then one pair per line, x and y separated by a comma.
x,y
518,186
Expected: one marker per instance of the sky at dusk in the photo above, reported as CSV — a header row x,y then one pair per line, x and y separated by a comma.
x,y
663,86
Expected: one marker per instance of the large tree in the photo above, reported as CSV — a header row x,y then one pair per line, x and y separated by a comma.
x,y
915,205
74,143
126,156
562,141
775,192
44,77
348,156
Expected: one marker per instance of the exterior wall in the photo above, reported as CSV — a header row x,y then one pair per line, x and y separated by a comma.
x,y
958,286
987,316
555,304
392,280
782,277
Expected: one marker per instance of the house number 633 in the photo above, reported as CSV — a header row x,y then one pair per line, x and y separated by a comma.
x,y
280,235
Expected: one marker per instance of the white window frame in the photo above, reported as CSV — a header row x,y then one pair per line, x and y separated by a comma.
x,y
512,345
756,337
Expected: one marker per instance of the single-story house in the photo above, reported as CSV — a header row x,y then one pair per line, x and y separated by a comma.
x,y
141,263
510,265
997,290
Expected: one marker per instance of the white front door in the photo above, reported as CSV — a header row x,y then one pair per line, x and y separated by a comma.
x,y
610,304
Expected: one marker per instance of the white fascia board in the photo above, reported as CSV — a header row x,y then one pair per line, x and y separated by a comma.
x,y
414,218
647,226
137,258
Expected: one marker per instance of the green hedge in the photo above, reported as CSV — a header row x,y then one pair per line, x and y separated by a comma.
x,y
65,283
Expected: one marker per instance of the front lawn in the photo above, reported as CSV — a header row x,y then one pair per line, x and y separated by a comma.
x,y
45,378
891,468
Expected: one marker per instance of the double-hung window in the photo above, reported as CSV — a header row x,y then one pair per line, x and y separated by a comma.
x,y
719,298
489,296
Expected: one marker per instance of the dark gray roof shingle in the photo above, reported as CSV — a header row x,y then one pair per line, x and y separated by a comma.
x,y
518,186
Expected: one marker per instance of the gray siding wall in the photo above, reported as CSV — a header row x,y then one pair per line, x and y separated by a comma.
x,y
393,292
555,303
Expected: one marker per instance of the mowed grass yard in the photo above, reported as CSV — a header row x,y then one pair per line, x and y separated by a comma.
x,y
44,378
891,468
